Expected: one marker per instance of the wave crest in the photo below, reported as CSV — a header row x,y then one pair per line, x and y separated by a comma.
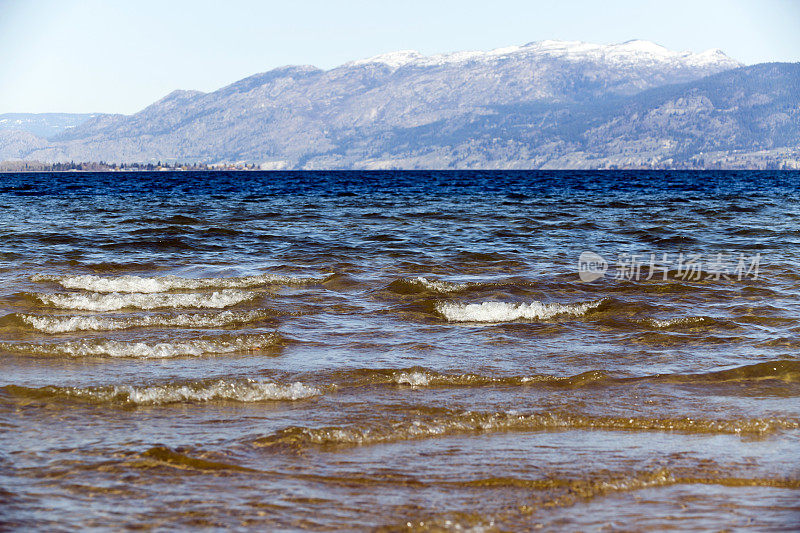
x,y
422,284
509,312
144,350
679,323
476,423
139,284
421,377
54,324
116,301
240,391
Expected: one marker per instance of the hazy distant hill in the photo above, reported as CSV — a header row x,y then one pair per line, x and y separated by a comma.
x,y
42,124
549,103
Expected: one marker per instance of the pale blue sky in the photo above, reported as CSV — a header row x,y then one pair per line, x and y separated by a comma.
x,y
119,56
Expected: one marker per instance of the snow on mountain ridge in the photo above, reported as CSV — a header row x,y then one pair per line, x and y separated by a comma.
x,y
392,59
633,52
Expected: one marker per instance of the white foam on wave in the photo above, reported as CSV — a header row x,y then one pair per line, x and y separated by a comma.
x,y
413,379
54,324
144,350
439,285
115,301
671,322
139,284
509,312
240,391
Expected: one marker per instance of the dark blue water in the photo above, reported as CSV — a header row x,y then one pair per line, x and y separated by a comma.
x,y
400,350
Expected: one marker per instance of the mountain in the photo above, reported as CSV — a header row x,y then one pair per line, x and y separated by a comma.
x,y
548,103
743,118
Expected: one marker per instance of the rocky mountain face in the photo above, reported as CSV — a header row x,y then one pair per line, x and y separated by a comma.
x,y
549,103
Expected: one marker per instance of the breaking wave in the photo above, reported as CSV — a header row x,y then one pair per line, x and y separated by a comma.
x,y
115,301
454,423
144,350
679,323
421,377
139,284
55,324
787,371
509,312
240,391
422,284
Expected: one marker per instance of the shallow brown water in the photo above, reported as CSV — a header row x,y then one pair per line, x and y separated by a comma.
x,y
397,351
